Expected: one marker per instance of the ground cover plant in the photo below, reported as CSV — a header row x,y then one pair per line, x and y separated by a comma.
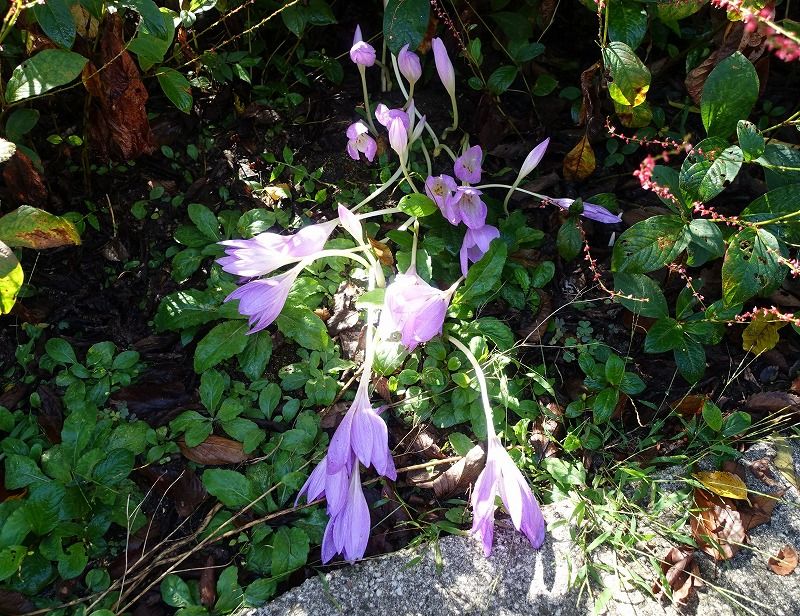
x,y
287,285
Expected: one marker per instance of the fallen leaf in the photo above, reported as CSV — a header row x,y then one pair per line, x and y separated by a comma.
x,y
723,483
761,469
458,478
783,460
735,468
761,333
214,450
382,251
759,510
681,573
770,402
784,562
580,162
208,575
716,526
24,182
689,406
13,603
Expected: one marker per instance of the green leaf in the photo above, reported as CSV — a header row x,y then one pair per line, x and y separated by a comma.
x,y
229,593
776,203
461,443
781,164
304,327
46,70
405,23
604,404
43,507
73,561
175,592
691,360
257,593
705,242
629,79
11,558
151,48
31,227
729,94
496,331
751,265
11,278
255,357
56,21
750,140
151,16
665,335
632,384
641,287
255,221
231,488
20,123
205,220
649,245
176,87
289,550
21,472
484,275
417,204
615,369
372,298
222,342
712,415
186,309
569,239
707,173
501,79
115,468
627,22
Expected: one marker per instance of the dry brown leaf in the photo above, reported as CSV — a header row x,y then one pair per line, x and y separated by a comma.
x,y
761,469
759,510
580,162
382,251
723,483
689,406
769,402
458,478
208,582
784,460
681,573
23,180
716,526
784,562
214,450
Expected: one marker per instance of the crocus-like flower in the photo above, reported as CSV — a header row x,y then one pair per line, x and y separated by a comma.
x,y
502,476
409,65
533,158
444,67
440,189
333,486
384,115
262,300
347,532
267,252
467,167
362,53
364,434
590,210
465,205
359,140
476,244
398,136
414,308
351,222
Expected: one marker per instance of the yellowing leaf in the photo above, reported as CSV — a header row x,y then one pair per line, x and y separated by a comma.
x,y
11,278
761,334
580,162
723,483
783,460
31,227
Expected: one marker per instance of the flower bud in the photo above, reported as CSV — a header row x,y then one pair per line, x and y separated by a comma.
x,y
409,64
444,67
362,53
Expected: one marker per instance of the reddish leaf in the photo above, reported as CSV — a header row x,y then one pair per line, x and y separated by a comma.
x,y
689,406
14,603
457,478
770,402
716,526
681,573
24,181
784,562
759,509
208,581
214,450
761,469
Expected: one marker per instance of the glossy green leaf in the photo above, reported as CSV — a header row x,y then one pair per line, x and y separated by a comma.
x,y
501,79
627,22
46,70
30,227
56,22
222,342
649,245
751,265
405,23
729,94
629,78
750,140
484,275
417,204
176,87
304,327
231,488
11,278
644,295
289,550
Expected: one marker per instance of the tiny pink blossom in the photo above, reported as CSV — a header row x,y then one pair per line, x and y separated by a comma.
x,y
466,205
440,189
262,300
444,66
467,167
476,244
414,308
359,140
409,65
362,53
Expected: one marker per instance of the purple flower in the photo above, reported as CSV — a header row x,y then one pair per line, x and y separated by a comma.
x,y
398,136
384,115
444,67
364,434
267,252
476,244
351,222
414,308
262,300
590,210
359,140
502,476
333,486
465,205
409,64
467,167
362,53
440,189
533,158
347,531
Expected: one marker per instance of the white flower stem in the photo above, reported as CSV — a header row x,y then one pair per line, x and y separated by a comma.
x,y
417,113
378,190
450,129
403,160
514,187
487,407
363,73
386,212
348,254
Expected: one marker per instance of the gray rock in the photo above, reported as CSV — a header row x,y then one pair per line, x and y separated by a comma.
x,y
452,577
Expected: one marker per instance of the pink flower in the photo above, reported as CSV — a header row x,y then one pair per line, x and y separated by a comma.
x,y
533,159
440,189
476,244
465,205
414,308
467,167
444,67
398,136
347,532
362,53
502,476
267,252
262,300
332,486
363,434
590,210
359,140
351,222
409,65
384,115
